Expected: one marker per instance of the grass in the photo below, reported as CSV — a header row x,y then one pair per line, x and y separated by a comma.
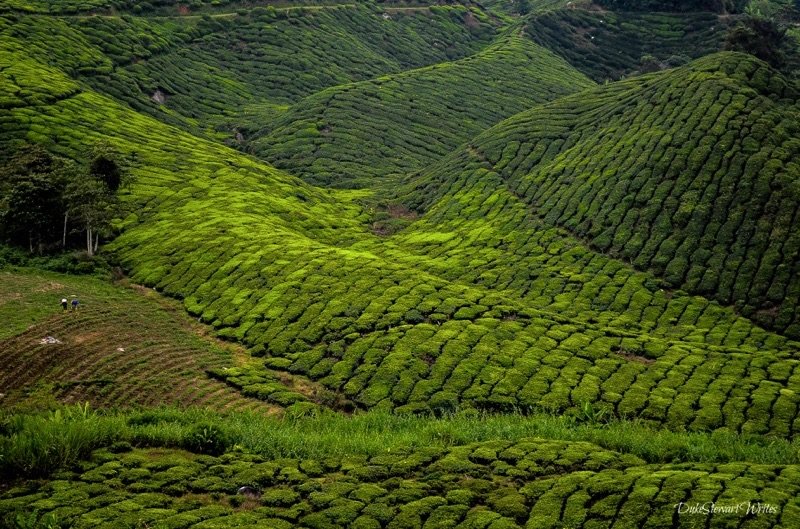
x,y
370,434
39,443
334,471
123,347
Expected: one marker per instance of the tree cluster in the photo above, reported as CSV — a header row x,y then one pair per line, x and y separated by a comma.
x,y
716,6
45,199
760,37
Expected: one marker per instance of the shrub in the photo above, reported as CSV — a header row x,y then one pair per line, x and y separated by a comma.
x,y
206,438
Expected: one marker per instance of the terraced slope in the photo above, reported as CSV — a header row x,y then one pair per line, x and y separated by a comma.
x,y
512,286
690,174
202,73
610,45
352,134
296,274
119,349
156,8
492,485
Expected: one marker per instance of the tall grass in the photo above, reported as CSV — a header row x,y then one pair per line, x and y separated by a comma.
x,y
373,433
37,444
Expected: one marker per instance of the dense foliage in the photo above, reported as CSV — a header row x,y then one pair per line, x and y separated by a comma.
x,y
378,470
716,6
623,257
353,133
761,38
608,45
41,193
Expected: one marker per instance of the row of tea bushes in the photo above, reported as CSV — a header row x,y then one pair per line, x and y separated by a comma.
x,y
352,134
687,174
489,485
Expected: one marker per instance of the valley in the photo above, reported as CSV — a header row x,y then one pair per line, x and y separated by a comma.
x,y
405,265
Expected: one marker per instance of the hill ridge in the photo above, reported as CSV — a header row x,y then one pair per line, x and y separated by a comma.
x,y
319,140
532,169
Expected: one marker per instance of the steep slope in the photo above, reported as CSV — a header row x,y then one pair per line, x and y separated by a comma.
x,y
201,73
690,174
352,134
610,45
296,274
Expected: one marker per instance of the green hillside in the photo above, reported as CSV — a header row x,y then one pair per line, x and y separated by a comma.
x,y
202,73
610,45
463,284
636,171
407,322
354,133
415,301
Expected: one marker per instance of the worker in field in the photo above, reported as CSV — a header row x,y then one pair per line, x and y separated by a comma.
x,y
75,304
64,304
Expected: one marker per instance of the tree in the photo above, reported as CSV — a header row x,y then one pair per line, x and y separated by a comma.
x,y
31,196
41,193
760,37
92,197
90,203
716,6
104,164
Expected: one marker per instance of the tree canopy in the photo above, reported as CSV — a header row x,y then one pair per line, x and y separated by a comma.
x,y
716,6
44,198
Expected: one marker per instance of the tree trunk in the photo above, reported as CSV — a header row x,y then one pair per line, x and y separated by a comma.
x,y
64,236
96,241
89,241
30,242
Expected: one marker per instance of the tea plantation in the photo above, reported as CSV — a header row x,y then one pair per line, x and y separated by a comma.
x,y
205,73
339,136
397,265
495,484
696,201
607,45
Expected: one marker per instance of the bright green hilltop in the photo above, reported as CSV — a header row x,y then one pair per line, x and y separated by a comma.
x,y
398,265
